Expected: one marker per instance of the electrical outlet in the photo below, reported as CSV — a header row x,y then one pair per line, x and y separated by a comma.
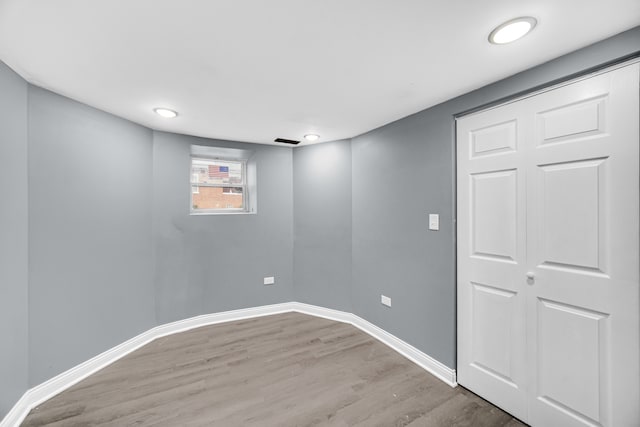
x,y
385,300
269,280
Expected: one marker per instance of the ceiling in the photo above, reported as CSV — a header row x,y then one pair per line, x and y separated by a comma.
x,y
254,70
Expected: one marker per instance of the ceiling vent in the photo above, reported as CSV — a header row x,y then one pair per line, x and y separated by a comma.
x,y
287,141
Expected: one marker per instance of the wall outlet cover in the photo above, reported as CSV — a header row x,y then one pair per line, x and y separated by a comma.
x,y
269,280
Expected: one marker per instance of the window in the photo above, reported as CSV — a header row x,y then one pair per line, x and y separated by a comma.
x,y
218,185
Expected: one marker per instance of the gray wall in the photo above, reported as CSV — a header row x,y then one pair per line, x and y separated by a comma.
x,y
401,173
90,244
13,239
405,170
108,245
322,224
210,263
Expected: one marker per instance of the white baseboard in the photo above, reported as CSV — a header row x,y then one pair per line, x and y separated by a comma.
x,y
42,392
421,359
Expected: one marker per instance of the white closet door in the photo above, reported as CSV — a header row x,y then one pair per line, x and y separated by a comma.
x,y
548,254
492,257
582,227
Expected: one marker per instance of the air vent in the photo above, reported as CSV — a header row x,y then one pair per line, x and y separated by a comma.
x,y
287,141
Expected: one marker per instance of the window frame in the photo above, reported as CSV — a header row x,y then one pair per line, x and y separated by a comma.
x,y
195,185
221,211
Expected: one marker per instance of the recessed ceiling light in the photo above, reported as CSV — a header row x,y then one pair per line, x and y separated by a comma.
x,y
512,30
311,137
166,113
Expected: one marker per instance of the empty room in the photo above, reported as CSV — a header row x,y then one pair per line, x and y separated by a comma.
x,y
320,213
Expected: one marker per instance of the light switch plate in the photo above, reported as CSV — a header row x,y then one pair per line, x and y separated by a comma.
x,y
385,300
434,222
269,280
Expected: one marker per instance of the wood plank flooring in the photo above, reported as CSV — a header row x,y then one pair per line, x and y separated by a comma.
x,y
282,370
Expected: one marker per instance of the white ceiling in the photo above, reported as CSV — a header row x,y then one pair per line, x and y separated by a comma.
x,y
254,70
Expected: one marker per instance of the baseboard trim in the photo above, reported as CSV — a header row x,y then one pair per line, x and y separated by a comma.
x,y
42,392
421,359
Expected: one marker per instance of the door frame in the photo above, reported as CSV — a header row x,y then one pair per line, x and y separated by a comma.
x,y
552,84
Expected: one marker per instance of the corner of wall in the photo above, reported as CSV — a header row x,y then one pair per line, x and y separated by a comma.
x,y
14,250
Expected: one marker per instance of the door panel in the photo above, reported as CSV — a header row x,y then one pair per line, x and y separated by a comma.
x,y
493,214
492,349
582,225
493,255
577,120
548,247
571,210
572,370
495,139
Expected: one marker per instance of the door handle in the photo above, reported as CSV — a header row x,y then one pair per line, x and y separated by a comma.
x,y
531,277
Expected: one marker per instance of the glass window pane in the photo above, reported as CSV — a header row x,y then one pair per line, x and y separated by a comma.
x,y
206,171
232,190
216,198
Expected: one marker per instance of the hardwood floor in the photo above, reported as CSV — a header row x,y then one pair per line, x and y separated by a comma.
x,y
282,370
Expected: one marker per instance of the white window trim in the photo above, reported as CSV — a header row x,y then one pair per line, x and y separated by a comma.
x,y
194,180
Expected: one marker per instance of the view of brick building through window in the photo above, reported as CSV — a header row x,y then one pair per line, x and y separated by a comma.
x,y
216,184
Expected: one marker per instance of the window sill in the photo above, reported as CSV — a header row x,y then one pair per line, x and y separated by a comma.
x,y
221,213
